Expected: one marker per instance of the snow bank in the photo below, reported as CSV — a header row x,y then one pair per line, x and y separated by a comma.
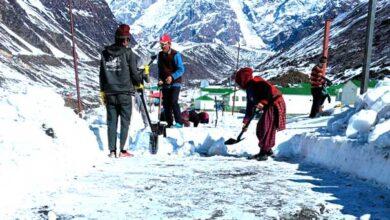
x,y
372,108
362,160
355,141
42,144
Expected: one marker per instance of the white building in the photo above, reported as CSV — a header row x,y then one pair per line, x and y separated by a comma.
x,y
204,103
301,104
349,93
208,95
240,101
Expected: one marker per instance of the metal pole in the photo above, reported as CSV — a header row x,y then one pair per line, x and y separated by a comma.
x,y
325,46
216,110
368,49
234,91
74,53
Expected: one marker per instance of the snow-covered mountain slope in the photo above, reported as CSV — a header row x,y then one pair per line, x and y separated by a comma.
x,y
347,41
259,24
212,61
35,41
280,35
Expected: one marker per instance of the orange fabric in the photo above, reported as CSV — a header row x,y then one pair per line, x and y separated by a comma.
x,y
317,77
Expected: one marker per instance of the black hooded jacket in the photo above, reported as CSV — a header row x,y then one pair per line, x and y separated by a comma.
x,y
118,70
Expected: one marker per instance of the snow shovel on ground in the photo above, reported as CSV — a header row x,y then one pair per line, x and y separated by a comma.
x,y
235,141
157,129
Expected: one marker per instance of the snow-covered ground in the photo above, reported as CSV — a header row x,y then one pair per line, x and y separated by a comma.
x,y
313,175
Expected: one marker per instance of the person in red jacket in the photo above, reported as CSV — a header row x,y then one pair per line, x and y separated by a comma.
x,y
263,96
318,88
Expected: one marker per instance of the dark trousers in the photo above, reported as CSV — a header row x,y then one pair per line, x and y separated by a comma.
x,y
171,104
118,105
318,100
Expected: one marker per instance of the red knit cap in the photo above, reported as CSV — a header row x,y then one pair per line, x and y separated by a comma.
x,y
123,31
165,38
243,76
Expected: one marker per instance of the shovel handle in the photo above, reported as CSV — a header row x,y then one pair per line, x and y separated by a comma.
x,y
247,125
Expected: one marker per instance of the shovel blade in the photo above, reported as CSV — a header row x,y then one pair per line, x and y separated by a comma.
x,y
232,141
153,143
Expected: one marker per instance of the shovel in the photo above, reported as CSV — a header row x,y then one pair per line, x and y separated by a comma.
x,y
157,129
235,141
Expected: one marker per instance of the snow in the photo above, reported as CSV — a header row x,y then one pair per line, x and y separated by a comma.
x,y
32,50
317,171
250,37
55,51
355,141
36,12
30,160
83,13
360,122
159,18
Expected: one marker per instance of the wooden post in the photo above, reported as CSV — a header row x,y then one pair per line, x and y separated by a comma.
x,y
75,57
325,46
234,92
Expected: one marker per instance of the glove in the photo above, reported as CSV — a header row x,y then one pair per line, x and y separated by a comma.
x,y
244,127
146,69
102,98
139,88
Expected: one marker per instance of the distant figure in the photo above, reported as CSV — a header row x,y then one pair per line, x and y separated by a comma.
x,y
118,76
194,117
264,96
170,71
318,88
223,106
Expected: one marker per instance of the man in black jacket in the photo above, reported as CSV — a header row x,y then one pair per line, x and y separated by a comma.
x,y
118,77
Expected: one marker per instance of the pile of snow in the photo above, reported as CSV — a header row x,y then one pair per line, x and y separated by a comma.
x,y
42,145
356,141
367,122
205,140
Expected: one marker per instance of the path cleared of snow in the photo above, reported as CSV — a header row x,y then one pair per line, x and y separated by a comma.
x,y
152,187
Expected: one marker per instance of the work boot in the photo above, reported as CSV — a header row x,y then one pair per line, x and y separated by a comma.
x,y
112,154
253,157
263,156
270,153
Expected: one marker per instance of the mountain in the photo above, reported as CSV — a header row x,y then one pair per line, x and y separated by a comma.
x,y
35,42
267,24
275,36
346,53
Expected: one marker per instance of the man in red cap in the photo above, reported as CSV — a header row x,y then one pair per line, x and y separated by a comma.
x,y
264,96
118,77
170,72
